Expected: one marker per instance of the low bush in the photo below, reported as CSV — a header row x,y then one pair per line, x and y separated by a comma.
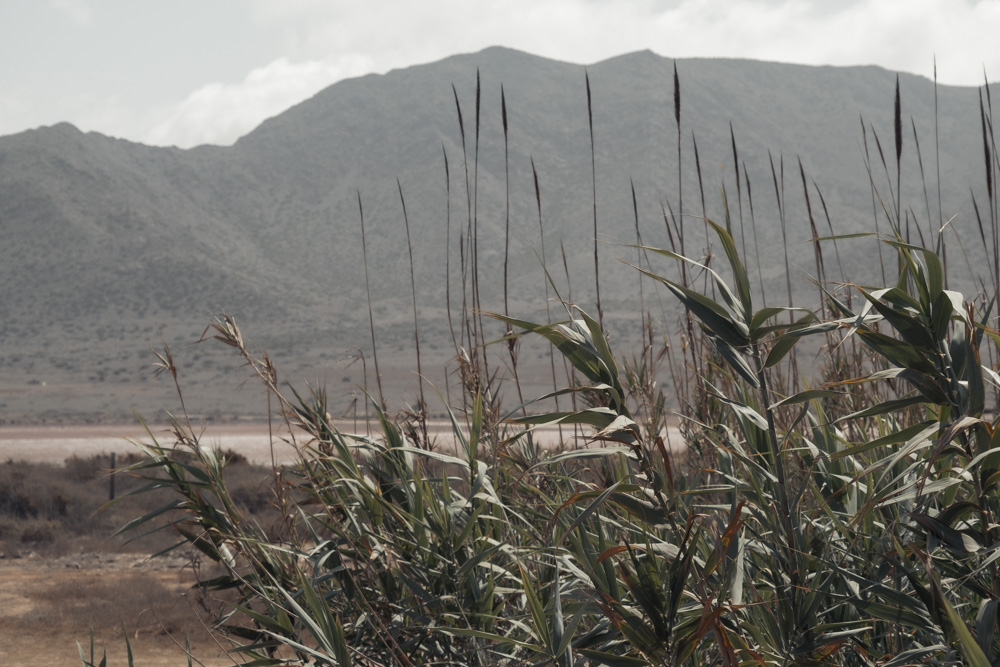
x,y
53,509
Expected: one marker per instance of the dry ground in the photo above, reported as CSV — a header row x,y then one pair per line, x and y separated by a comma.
x,y
48,605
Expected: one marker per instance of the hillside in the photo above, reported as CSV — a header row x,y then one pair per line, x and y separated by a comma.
x,y
110,246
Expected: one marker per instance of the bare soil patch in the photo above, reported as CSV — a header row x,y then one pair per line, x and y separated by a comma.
x,y
47,605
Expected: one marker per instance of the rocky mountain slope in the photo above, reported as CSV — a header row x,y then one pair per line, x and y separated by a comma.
x,y
110,246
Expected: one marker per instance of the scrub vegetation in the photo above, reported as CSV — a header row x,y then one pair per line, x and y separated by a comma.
x,y
836,506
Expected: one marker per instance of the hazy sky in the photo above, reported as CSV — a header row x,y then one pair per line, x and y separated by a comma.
x,y
186,72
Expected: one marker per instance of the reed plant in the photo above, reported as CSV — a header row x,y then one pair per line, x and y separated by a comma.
x,y
846,518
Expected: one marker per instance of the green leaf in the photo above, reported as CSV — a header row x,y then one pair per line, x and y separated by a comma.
x,y
477,557
808,395
475,430
934,272
596,417
739,272
927,385
974,376
600,343
915,656
622,429
735,360
490,636
974,656
911,328
727,294
764,314
896,297
591,453
780,350
908,616
713,316
922,430
894,405
955,539
612,660
437,456
585,514
138,521
641,509
572,343
538,620
838,237
897,352
942,310
570,629
743,410
986,623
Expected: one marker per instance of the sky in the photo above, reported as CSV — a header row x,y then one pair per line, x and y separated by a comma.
x,y
190,72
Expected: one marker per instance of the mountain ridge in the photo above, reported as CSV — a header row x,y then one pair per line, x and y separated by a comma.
x,y
108,240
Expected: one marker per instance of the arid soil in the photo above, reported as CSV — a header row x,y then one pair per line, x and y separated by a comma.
x,y
47,607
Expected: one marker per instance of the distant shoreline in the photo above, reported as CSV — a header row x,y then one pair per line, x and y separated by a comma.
x,y
56,443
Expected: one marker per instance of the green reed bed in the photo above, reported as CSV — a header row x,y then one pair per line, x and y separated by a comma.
x,y
849,518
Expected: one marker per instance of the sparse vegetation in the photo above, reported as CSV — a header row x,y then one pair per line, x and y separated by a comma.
x,y
52,509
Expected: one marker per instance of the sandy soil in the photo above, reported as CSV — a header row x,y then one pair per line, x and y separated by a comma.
x,y
54,444
38,444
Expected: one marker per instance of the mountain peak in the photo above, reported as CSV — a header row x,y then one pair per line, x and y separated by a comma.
x,y
60,129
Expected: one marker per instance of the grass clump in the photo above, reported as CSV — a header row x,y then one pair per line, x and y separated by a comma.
x,y
849,518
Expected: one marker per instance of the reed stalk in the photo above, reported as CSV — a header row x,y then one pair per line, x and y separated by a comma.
x,y
447,250
476,296
422,404
512,342
545,281
739,188
368,292
817,249
756,246
871,186
897,124
463,252
593,188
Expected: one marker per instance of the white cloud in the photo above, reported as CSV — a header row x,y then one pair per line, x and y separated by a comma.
x,y
220,113
897,34
904,35
323,41
78,11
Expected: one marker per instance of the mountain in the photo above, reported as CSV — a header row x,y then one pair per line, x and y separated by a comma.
x,y
110,246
